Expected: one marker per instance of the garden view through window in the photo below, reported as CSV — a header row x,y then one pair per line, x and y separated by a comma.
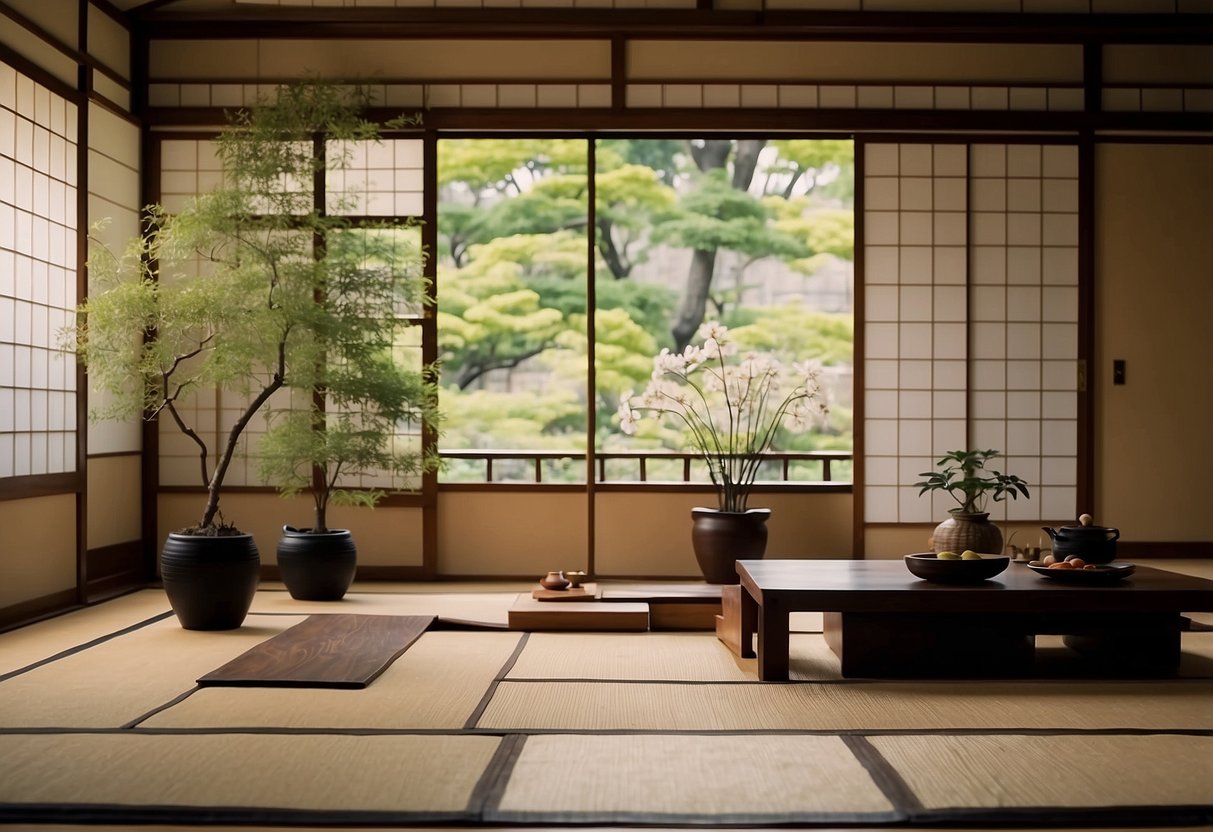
x,y
754,233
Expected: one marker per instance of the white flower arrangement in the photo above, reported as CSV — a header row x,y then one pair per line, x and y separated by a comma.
x,y
728,408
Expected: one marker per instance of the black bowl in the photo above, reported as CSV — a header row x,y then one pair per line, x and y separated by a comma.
x,y
930,568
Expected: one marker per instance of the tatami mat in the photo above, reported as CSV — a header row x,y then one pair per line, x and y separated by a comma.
x,y
655,779
117,680
44,639
398,773
59,827
677,717
603,706
695,656
998,771
805,622
437,683
489,609
653,656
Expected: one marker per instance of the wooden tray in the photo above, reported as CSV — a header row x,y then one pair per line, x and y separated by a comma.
x,y
585,592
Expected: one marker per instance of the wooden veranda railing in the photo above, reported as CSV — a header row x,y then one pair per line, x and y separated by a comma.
x,y
781,463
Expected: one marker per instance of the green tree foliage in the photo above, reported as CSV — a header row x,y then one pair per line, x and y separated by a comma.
x,y
488,316
483,172
631,200
802,164
234,293
486,418
798,333
514,214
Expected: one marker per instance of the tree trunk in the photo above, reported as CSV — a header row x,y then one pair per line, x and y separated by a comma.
x,y
695,298
610,254
746,162
712,154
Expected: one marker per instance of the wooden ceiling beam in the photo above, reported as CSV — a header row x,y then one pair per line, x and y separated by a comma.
x,y
690,24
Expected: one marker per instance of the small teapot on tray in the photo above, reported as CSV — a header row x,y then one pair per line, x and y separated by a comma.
x,y
1094,544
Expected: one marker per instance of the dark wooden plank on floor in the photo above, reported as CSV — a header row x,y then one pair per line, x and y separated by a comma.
x,y
325,651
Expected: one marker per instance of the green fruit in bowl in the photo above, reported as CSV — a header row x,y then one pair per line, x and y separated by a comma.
x,y
947,556
969,554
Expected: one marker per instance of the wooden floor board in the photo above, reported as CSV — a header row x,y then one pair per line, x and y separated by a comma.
x,y
324,651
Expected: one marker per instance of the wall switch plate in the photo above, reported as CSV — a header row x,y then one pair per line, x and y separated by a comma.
x,y
1118,371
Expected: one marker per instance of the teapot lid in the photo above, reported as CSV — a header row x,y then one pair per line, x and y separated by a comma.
x,y
1086,526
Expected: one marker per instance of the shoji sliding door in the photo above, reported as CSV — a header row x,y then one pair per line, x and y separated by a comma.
x,y
970,321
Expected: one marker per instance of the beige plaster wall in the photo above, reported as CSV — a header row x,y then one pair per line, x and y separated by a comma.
x,y
109,41
850,62
428,59
59,18
34,49
650,534
1170,64
385,535
114,500
1154,309
37,548
497,533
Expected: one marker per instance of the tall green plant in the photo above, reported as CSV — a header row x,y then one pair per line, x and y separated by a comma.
x,y
352,401
246,288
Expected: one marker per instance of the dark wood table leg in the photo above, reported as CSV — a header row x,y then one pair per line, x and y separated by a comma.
x,y
748,624
773,641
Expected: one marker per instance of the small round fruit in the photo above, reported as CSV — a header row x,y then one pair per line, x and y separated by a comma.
x,y
1061,564
969,554
947,556
1049,560
1076,562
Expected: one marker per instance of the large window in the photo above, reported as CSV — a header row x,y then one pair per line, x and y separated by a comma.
x,y
754,233
37,277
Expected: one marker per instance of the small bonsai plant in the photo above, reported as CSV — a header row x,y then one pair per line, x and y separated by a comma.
x,y
963,475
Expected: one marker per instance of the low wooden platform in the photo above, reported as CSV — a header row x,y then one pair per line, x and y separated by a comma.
x,y
585,592
584,616
620,606
672,606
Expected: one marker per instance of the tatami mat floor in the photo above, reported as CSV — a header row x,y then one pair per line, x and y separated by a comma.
x,y
101,723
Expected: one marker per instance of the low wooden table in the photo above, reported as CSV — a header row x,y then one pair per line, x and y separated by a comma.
x,y
882,621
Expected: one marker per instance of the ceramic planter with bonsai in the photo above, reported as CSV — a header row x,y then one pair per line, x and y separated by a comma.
x,y
964,476
220,296
729,406
316,450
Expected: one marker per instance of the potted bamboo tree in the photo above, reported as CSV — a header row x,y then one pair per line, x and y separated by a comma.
x,y
224,293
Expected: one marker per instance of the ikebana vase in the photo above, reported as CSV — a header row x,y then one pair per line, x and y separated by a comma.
x,y
721,538
317,566
210,581
964,530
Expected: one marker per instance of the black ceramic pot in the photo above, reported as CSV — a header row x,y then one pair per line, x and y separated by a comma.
x,y
210,581
721,538
317,566
1094,544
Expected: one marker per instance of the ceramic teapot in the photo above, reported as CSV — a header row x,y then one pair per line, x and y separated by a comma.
x,y
1094,544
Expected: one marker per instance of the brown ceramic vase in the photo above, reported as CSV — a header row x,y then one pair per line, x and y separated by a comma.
x,y
721,538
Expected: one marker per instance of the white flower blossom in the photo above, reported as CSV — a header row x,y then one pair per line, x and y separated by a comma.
x,y
729,412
